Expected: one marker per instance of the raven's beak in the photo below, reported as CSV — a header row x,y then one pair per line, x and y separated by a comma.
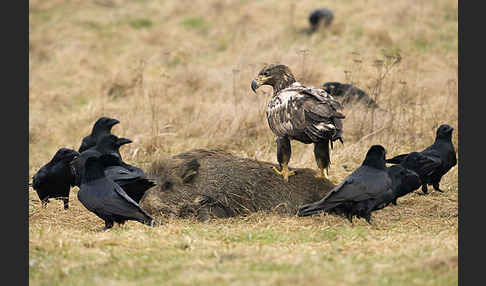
x,y
254,85
123,141
114,122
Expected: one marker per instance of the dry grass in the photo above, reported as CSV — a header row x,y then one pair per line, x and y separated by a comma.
x,y
177,75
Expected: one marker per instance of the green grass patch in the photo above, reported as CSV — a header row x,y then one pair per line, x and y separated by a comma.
x,y
139,24
197,23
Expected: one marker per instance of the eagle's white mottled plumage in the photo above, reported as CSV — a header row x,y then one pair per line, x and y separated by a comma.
x,y
306,114
298,110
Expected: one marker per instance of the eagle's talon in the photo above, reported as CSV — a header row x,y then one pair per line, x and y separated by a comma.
x,y
323,174
286,173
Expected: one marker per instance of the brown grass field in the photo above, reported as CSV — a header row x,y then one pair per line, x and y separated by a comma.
x,y
177,75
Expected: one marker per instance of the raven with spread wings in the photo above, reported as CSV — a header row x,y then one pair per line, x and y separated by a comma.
x,y
296,112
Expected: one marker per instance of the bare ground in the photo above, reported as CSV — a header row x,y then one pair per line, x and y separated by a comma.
x,y
177,75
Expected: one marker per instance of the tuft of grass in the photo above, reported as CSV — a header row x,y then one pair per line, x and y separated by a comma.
x,y
194,23
140,23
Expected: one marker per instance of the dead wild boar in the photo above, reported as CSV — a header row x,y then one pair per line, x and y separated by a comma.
x,y
215,184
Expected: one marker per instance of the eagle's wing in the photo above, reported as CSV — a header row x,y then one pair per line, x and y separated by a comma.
x,y
298,109
323,114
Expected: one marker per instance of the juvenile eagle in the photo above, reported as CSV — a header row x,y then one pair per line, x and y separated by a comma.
x,y
305,114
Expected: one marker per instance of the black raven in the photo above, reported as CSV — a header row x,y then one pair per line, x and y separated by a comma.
x,y
320,17
132,179
360,193
433,162
107,199
101,127
54,179
404,181
348,93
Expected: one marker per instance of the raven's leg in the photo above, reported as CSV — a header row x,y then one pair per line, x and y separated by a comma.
x,y
349,216
66,203
368,218
283,156
323,159
394,202
108,224
436,187
424,189
44,202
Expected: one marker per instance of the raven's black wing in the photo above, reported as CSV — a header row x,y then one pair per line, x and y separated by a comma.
x,y
39,179
423,164
363,184
134,182
397,159
87,143
138,211
105,197
404,180
119,173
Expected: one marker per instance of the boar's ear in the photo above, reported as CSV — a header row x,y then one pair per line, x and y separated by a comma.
x,y
188,170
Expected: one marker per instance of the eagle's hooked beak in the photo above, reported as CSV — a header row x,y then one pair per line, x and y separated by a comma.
x,y
257,82
254,85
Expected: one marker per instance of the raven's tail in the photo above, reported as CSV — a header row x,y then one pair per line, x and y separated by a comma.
x,y
154,222
314,208
397,159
